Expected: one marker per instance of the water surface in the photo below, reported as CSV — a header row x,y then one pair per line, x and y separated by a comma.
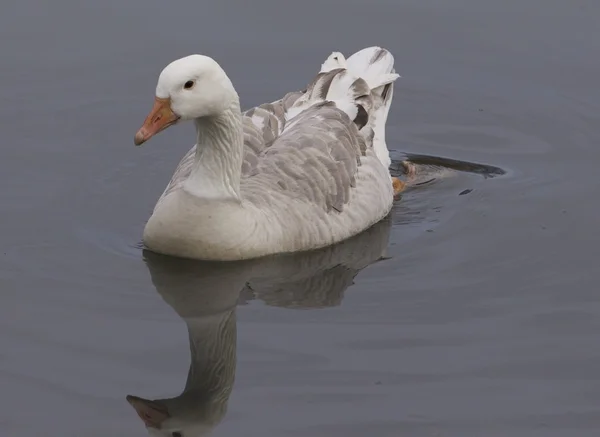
x,y
460,315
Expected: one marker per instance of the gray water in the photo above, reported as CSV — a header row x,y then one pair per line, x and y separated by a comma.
x,y
459,316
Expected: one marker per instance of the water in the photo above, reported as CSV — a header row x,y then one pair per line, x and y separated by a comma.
x,y
461,315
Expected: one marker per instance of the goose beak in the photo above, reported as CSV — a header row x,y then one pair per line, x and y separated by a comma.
x,y
160,117
152,413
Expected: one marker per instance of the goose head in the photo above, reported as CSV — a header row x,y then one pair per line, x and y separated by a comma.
x,y
189,88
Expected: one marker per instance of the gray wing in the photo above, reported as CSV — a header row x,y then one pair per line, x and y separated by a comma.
x,y
308,148
315,159
262,125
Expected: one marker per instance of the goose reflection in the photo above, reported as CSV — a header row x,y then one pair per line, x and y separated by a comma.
x,y
206,295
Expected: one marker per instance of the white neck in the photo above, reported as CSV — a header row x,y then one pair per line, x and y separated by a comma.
x,y
219,153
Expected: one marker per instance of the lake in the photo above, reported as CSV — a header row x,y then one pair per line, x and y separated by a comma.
x,y
471,311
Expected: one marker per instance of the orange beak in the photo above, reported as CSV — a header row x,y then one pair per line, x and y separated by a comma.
x,y
151,412
161,117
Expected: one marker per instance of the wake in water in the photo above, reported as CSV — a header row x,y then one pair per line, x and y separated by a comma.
x,y
419,169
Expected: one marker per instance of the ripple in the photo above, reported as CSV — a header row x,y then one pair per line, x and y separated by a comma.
x,y
438,191
487,139
110,242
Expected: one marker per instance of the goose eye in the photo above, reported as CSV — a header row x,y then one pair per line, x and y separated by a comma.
x,y
189,84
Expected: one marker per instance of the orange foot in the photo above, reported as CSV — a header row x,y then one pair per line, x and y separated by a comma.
x,y
398,185
410,170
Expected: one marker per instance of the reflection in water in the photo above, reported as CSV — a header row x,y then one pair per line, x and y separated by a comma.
x,y
205,295
485,170
432,195
429,167
205,298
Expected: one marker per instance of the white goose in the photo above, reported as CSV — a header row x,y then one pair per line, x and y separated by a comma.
x,y
301,173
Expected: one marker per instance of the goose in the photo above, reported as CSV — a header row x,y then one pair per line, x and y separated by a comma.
x,y
297,174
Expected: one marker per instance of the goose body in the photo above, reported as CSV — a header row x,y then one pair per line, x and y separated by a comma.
x,y
297,174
